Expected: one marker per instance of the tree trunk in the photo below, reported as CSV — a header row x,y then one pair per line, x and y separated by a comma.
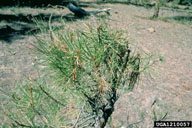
x,y
156,13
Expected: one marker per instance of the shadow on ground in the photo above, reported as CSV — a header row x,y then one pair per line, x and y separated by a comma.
x,y
32,3
20,25
181,18
187,20
7,33
14,26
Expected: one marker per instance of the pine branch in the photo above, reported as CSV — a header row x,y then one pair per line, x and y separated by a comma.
x,y
79,115
56,101
22,125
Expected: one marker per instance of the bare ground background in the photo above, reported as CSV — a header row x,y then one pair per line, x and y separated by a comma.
x,y
164,90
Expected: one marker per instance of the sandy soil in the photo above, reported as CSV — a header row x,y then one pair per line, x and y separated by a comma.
x,y
166,88
163,92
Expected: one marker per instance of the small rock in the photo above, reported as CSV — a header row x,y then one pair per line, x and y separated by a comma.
x,y
151,30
